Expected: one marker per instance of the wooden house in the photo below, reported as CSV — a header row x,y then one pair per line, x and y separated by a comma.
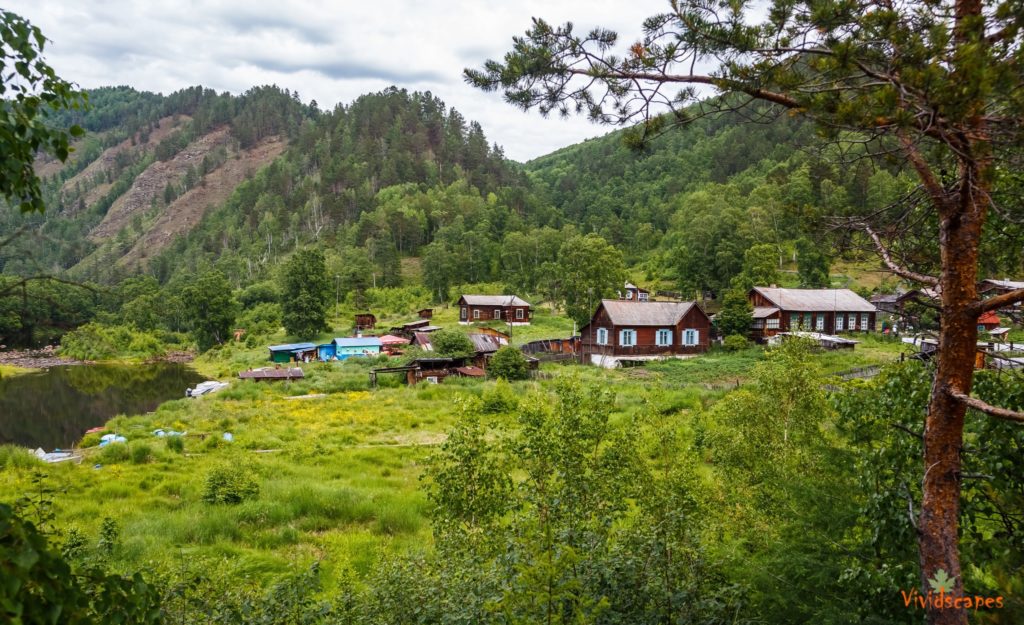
x,y
827,311
407,330
622,331
507,308
297,352
633,293
366,321
988,321
425,313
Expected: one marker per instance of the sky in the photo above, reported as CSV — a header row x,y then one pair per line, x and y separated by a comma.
x,y
328,51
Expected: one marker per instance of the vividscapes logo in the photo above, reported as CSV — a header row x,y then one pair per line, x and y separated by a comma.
x,y
941,596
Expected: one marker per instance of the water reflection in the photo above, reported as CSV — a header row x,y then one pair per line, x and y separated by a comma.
x,y
54,408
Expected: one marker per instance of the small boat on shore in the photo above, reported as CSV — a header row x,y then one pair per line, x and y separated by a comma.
x,y
203,388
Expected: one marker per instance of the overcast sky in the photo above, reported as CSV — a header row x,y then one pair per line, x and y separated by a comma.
x,y
328,51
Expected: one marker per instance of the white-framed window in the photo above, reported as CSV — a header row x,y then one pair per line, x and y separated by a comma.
x,y
602,336
629,293
497,313
853,321
691,336
643,297
627,338
839,323
794,321
476,313
758,324
772,324
864,321
663,338
520,313
820,322
463,314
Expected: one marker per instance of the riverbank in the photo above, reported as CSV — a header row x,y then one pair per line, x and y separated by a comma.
x,y
13,362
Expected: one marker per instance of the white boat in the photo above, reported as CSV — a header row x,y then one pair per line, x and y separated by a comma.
x,y
205,387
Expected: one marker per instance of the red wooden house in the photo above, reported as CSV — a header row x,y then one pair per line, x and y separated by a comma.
x,y
827,311
506,308
632,331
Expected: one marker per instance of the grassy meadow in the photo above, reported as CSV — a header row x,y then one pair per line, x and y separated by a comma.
x,y
337,467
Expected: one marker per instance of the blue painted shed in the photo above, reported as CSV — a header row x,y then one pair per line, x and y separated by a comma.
x,y
285,353
362,346
325,352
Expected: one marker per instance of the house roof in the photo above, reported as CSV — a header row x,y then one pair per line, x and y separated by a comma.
x,y
1005,284
390,339
988,317
485,343
271,374
630,285
625,313
472,372
367,341
814,300
292,347
761,312
494,300
423,340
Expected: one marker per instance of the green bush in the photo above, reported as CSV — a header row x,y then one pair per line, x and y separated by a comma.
x,y
735,343
499,399
95,341
17,457
229,484
141,453
508,363
114,453
175,443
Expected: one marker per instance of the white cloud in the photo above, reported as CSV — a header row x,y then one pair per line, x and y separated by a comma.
x,y
328,51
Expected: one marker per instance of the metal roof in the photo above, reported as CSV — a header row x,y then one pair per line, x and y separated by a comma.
x,y
292,347
816,300
484,343
494,300
271,374
625,313
368,341
760,312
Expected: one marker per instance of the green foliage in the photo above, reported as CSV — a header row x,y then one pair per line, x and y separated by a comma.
x,y
812,265
451,343
499,398
16,457
175,444
589,269
141,453
40,588
735,316
94,341
508,363
229,484
31,90
305,289
114,453
210,308
735,343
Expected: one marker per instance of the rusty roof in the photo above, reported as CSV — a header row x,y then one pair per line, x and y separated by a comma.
x,y
816,300
626,313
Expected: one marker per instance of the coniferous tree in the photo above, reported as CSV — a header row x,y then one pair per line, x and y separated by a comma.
x,y
305,291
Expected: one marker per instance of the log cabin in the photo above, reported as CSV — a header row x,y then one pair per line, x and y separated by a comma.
x,y
623,331
813,310
507,308
633,293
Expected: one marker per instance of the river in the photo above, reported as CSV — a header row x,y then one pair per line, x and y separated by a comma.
x,y
53,408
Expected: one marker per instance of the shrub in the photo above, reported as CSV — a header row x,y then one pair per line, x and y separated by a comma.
x,y
114,453
499,399
735,343
451,343
229,484
175,443
140,453
17,457
95,341
508,363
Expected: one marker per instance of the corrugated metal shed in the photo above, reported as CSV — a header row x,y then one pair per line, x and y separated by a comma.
x,y
494,300
816,300
645,313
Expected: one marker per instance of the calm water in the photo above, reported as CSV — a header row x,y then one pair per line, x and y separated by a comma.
x,y
54,408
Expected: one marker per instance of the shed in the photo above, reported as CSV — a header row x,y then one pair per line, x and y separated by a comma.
x,y
988,321
269,375
357,346
366,321
292,351
425,313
